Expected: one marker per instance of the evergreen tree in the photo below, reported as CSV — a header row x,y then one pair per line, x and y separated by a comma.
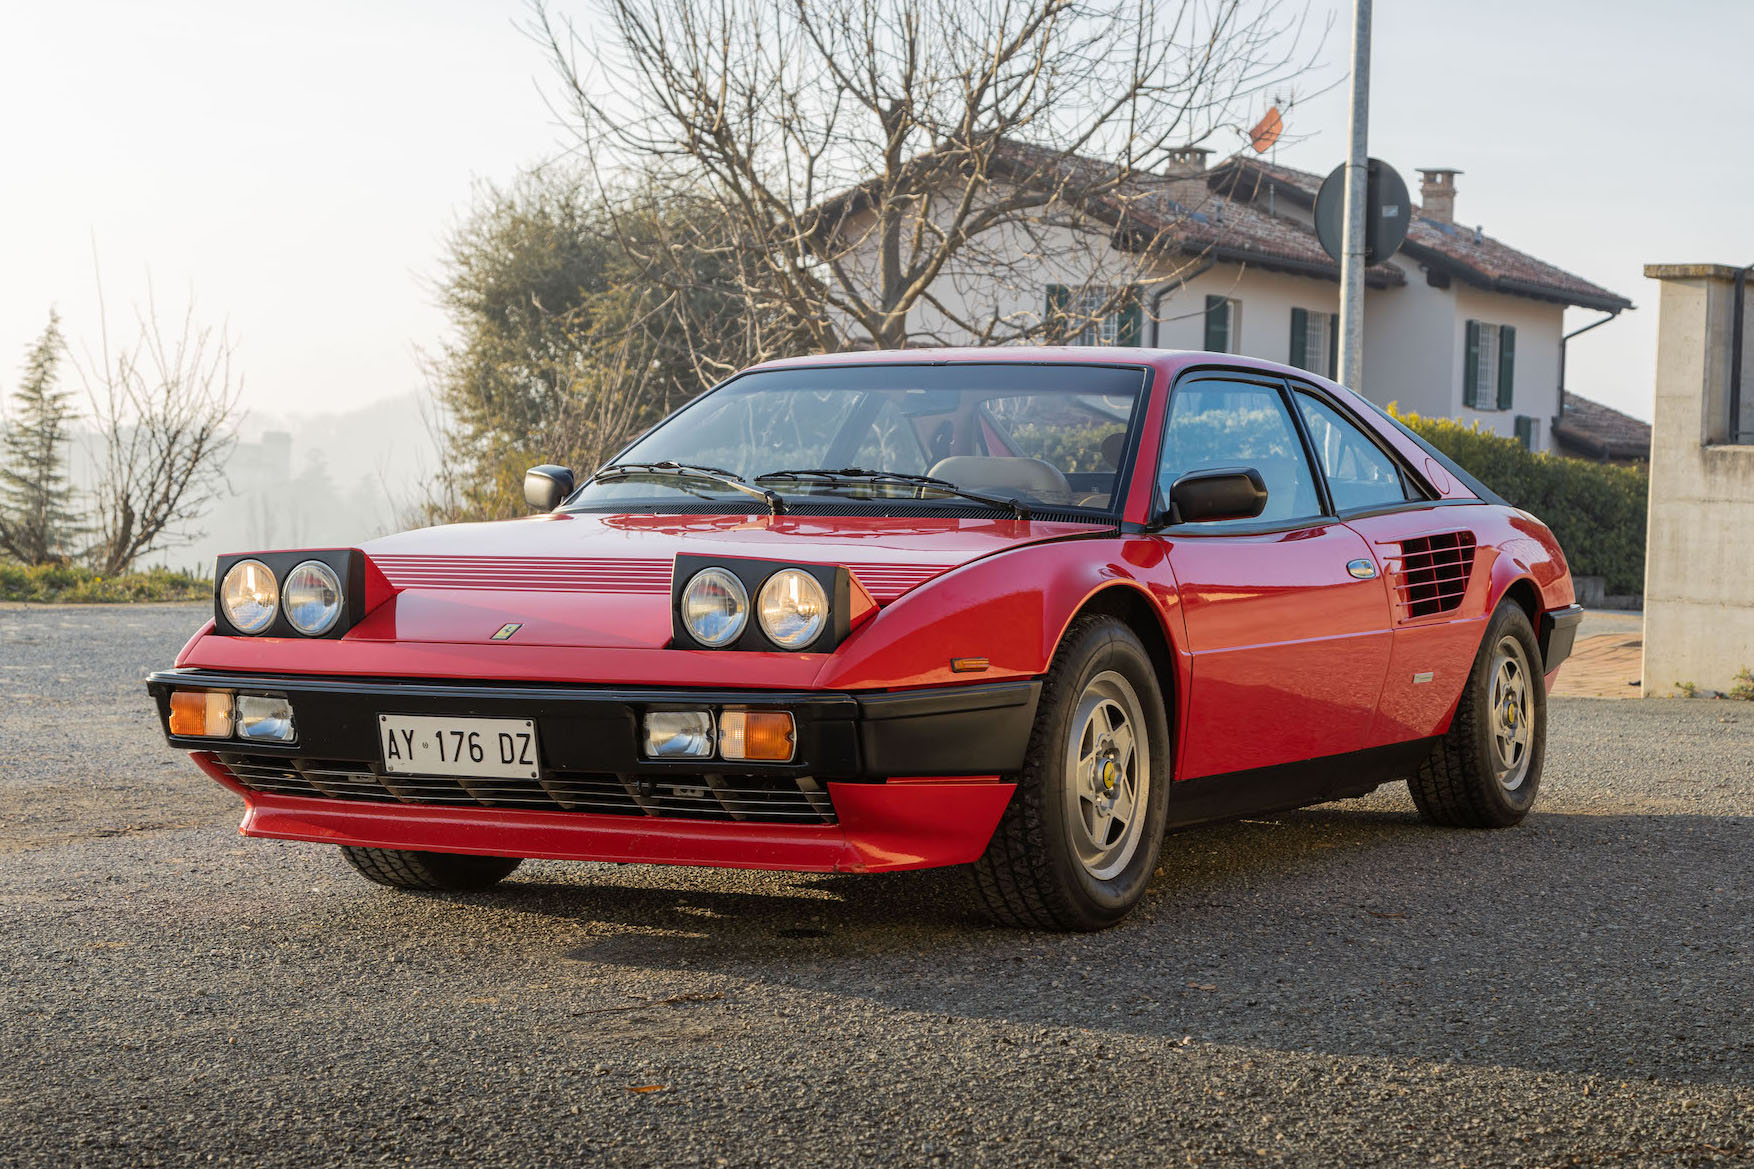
x,y
37,523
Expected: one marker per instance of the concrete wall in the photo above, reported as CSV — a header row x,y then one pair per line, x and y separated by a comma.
x,y
1699,558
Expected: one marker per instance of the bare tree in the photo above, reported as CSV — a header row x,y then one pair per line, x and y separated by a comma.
x,y
884,171
166,405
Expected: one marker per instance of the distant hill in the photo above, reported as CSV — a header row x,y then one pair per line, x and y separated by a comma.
x,y
320,480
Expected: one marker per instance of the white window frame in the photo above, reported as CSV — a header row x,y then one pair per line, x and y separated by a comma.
x,y
1232,324
1084,303
1317,333
1486,369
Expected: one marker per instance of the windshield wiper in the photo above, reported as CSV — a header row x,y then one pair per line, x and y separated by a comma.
x,y
717,475
863,475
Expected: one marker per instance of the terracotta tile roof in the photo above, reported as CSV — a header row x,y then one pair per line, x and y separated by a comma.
x,y
1239,232
1202,220
1449,247
1219,213
1591,430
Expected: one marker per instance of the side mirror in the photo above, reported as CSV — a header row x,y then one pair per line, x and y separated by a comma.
x,y
546,486
1217,493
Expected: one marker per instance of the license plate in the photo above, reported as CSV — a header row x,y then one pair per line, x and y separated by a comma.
x,y
483,748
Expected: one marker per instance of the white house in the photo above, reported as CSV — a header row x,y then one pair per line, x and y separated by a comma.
x,y
1457,324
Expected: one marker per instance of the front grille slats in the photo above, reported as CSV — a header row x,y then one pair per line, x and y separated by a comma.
x,y
1432,573
705,797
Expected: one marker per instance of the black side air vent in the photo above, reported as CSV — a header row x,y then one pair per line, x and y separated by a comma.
x,y
1433,574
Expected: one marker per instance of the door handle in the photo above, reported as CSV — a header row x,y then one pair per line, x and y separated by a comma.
x,y
1361,569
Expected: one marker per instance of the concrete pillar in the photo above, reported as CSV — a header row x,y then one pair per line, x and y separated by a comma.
x,y
1699,553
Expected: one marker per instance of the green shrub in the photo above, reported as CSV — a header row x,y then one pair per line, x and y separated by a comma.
x,y
1596,509
70,583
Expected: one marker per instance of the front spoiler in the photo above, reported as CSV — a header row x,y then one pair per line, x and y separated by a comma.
x,y
882,827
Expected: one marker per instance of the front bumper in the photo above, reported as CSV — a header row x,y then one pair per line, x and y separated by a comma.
x,y
879,781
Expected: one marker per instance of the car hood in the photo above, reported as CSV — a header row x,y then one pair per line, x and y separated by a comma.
x,y
604,580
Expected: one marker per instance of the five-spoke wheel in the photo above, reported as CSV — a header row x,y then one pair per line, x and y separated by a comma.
x,y
1485,770
1078,843
1110,778
1513,721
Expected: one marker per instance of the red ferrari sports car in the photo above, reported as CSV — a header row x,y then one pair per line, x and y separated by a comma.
x,y
1024,610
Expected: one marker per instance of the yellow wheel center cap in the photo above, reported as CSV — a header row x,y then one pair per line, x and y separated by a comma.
x,y
1109,773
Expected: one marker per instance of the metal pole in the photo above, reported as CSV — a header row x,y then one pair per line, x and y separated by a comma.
x,y
1739,311
1352,248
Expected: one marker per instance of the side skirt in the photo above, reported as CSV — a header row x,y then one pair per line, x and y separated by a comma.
x,y
1281,788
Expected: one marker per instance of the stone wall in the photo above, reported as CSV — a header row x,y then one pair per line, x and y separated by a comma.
x,y
1699,565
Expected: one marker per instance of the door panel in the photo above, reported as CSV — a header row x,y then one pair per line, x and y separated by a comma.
x,y
1434,652
1289,650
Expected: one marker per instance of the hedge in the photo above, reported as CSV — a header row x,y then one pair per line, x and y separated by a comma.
x,y
1596,509
66,582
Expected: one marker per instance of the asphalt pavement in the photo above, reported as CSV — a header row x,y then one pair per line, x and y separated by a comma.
x,y
1339,986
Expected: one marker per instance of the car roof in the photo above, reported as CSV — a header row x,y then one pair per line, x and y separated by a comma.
x,y
1169,361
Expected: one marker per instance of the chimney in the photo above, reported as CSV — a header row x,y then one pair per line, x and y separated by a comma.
x,y
1186,162
1437,193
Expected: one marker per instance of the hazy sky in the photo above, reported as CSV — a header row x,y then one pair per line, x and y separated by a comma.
x,y
297,166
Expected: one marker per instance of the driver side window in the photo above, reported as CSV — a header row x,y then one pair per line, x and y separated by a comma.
x,y
1217,423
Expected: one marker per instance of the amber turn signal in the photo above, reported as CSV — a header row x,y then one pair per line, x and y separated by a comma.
x,y
765,735
202,714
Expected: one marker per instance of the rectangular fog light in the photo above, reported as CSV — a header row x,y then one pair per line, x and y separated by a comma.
x,y
266,720
204,714
679,734
766,736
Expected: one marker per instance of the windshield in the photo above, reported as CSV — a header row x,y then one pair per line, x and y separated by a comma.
x,y
888,438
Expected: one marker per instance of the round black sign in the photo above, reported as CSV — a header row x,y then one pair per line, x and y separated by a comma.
x,y
1388,212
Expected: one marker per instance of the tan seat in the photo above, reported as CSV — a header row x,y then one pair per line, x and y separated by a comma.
x,y
1005,476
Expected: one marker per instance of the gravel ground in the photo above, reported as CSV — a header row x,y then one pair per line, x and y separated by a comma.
x,y
1338,986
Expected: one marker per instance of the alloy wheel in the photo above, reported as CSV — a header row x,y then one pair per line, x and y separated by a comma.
x,y
1513,723
1108,769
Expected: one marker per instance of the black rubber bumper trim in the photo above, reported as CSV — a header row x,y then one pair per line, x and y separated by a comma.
x,y
1558,634
980,729
952,730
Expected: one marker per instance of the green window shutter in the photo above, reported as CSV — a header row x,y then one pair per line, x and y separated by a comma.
x,y
1334,346
1055,312
1300,337
1525,431
1127,330
1506,365
1471,366
1217,325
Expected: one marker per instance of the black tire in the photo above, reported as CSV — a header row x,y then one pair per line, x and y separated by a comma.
x,y
445,871
1466,781
1032,874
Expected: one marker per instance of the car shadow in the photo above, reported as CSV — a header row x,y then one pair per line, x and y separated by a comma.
x,y
1340,929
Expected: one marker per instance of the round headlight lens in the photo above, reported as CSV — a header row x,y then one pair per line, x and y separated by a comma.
x,y
313,598
249,596
793,607
715,607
